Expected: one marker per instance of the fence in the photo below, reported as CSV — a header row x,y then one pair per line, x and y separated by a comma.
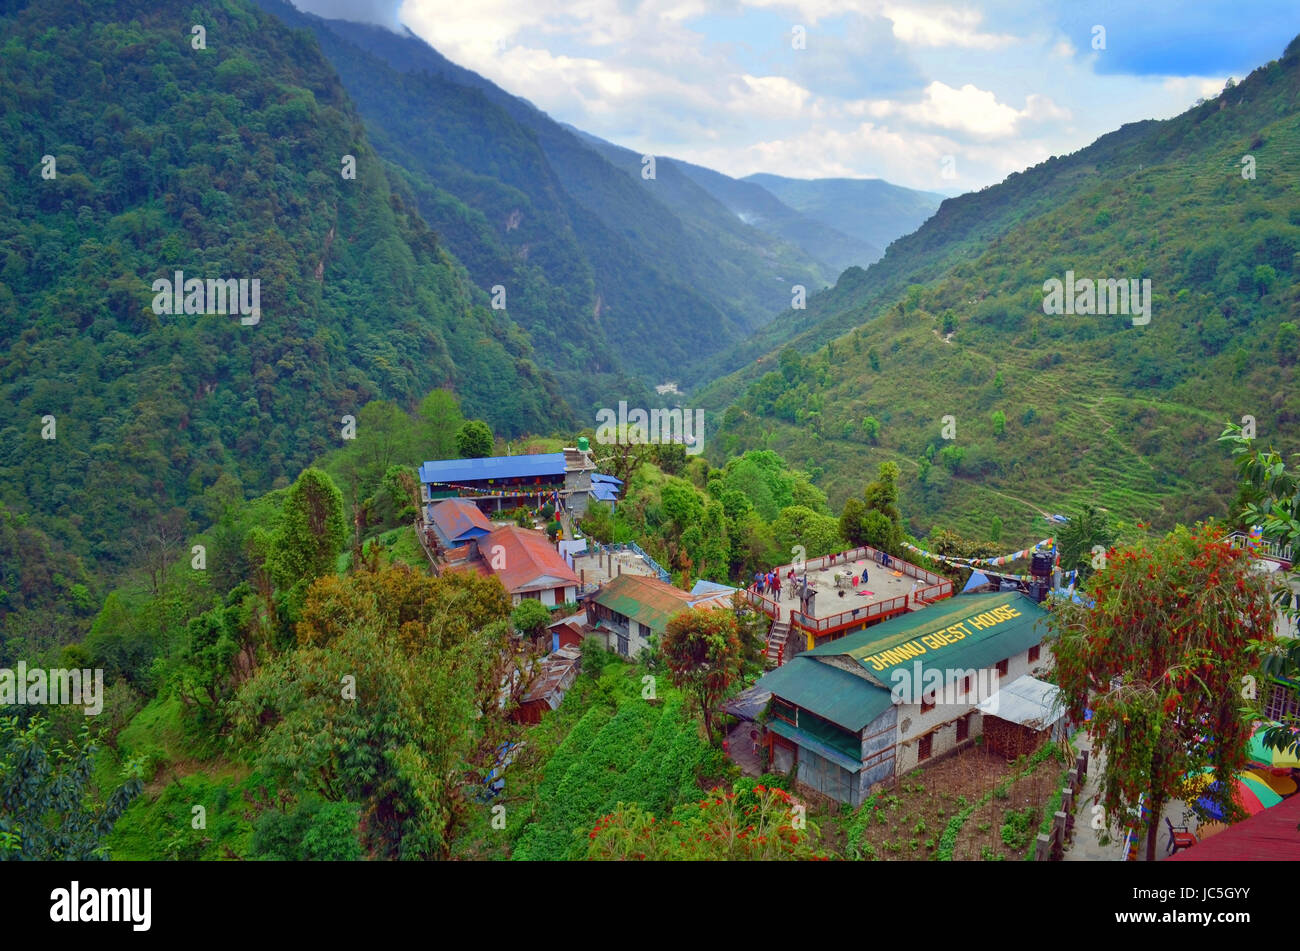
x,y
1051,845
1261,546
597,548
936,587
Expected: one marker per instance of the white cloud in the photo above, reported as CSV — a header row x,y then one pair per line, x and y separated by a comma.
x,y
943,26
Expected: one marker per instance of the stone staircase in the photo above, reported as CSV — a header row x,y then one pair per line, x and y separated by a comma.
x,y
777,636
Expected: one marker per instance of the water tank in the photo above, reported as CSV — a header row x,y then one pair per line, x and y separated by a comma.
x,y
584,445
1040,566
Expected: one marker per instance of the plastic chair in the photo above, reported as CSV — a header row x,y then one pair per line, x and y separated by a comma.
x,y
1179,837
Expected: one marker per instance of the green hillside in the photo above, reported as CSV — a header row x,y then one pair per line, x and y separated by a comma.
x,y
1088,408
223,162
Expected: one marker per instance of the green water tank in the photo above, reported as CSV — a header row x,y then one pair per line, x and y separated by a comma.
x,y
583,444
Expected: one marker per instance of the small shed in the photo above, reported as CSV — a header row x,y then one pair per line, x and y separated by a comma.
x,y
558,672
568,631
1019,717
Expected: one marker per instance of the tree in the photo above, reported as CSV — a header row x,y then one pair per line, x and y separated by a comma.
x,y
530,617
881,497
995,530
818,534
871,429
1076,539
999,422
311,530
369,719
1271,499
46,811
703,652
474,440
1160,658
1286,342
440,419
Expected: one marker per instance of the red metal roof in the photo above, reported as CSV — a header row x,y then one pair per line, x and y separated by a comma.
x,y
458,520
1268,836
531,562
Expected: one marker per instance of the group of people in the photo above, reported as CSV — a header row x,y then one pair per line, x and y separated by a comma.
x,y
769,582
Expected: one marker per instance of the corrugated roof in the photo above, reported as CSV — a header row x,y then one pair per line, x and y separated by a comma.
x,y
530,561
841,697
494,467
1271,835
601,477
712,587
970,632
648,600
810,742
1027,701
459,520
604,493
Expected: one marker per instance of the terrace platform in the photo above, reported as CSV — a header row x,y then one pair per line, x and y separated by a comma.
x,y
890,591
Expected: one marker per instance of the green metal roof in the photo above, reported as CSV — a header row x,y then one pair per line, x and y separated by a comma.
x,y
965,632
839,696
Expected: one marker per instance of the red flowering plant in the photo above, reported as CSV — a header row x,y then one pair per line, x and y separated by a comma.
x,y
763,824
1161,657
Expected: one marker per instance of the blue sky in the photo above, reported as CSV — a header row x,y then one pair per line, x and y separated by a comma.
x,y
944,96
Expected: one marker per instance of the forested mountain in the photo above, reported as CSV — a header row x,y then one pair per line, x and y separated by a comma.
x,y
868,209
1050,411
756,205
135,148
613,275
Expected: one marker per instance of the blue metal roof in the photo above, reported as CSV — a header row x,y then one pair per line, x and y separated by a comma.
x,y
601,477
493,467
604,493
711,587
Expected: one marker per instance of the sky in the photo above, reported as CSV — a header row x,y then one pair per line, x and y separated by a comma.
x,y
942,96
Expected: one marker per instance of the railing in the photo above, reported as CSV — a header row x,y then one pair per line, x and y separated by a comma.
x,y
597,547
876,609
1261,546
1051,845
765,604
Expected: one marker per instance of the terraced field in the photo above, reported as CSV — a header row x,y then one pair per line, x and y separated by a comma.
x,y
643,751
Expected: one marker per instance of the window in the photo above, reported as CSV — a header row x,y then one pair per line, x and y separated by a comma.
x,y
1002,668
1283,702
963,727
927,702
622,645
923,747
965,685
1033,652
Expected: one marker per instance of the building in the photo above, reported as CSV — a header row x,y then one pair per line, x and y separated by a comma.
x,y
826,598
556,675
568,631
501,483
868,707
455,522
1021,716
631,608
527,565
